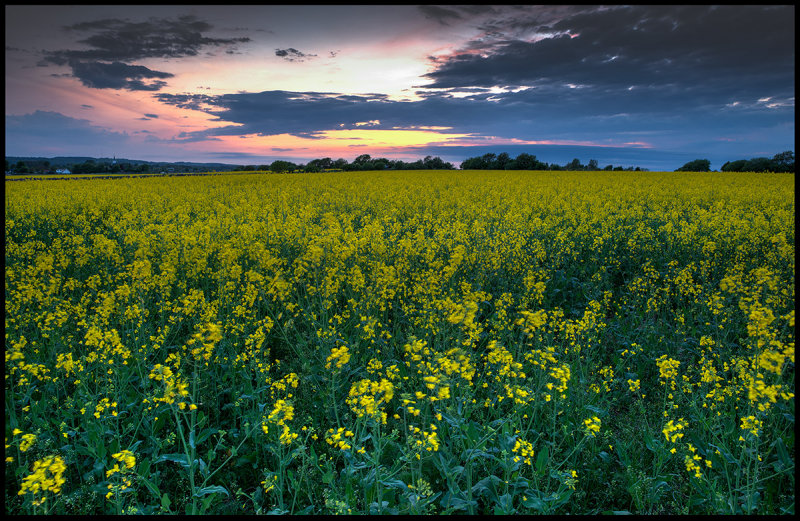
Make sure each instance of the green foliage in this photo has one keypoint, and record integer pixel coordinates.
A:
(782, 162)
(698, 165)
(524, 161)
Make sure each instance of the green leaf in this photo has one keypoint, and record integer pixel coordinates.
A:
(533, 502)
(649, 442)
(212, 490)
(150, 486)
(202, 466)
(159, 423)
(204, 435)
(457, 503)
(486, 487)
(394, 483)
(504, 504)
(165, 502)
(180, 459)
(541, 460)
(783, 455)
(623, 456)
(472, 433)
(596, 410)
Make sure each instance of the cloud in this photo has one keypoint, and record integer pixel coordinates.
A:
(122, 40)
(293, 55)
(667, 77)
(711, 52)
(544, 114)
(54, 133)
(155, 116)
(439, 14)
(114, 43)
(118, 75)
(298, 113)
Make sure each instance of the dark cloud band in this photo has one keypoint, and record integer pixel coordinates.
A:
(114, 42)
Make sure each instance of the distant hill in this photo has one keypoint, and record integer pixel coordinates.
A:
(65, 161)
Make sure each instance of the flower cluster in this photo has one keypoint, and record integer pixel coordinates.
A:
(367, 397)
(338, 438)
(338, 358)
(523, 450)
(591, 426)
(47, 476)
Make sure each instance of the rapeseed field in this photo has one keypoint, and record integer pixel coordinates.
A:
(482, 342)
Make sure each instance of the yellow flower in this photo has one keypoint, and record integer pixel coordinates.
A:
(126, 457)
(338, 358)
(592, 426)
(750, 423)
(671, 429)
(47, 475)
(524, 450)
(27, 442)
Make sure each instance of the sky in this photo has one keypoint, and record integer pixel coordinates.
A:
(648, 86)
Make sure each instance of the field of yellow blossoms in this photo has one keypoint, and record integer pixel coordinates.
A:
(401, 342)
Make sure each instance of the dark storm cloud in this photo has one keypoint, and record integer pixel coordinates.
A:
(546, 112)
(307, 113)
(444, 15)
(718, 52)
(293, 55)
(439, 14)
(120, 41)
(118, 75)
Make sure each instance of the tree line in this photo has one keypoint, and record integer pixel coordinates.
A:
(526, 161)
(783, 162)
(91, 166)
(362, 162)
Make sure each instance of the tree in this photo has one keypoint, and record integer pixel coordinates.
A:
(379, 163)
(784, 162)
(502, 162)
(318, 165)
(575, 164)
(279, 166)
(525, 162)
(759, 164)
(734, 166)
(471, 163)
(698, 165)
(592, 165)
(484, 162)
